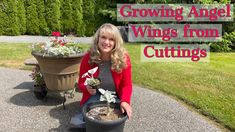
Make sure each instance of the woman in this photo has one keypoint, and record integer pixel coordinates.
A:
(114, 68)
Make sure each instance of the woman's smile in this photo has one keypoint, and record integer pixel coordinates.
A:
(106, 43)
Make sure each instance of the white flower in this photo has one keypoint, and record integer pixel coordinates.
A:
(48, 45)
(56, 47)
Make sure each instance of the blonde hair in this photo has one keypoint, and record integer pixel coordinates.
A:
(118, 61)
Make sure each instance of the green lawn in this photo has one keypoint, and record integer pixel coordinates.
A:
(13, 55)
(208, 87)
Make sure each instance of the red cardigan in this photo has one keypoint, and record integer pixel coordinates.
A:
(123, 80)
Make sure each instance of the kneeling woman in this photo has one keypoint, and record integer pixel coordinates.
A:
(114, 68)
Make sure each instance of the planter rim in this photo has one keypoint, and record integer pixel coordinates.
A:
(34, 53)
(117, 121)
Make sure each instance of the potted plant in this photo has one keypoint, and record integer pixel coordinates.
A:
(39, 90)
(104, 116)
(59, 62)
(92, 81)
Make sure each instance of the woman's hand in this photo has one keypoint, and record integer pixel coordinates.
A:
(126, 107)
(91, 90)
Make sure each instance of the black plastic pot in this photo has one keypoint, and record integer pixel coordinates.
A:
(40, 92)
(103, 126)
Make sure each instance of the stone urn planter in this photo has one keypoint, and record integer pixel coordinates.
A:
(59, 72)
(97, 125)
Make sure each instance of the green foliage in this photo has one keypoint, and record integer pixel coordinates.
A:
(41, 18)
(159, 1)
(53, 15)
(105, 12)
(3, 17)
(67, 18)
(32, 23)
(226, 45)
(231, 38)
(88, 14)
(110, 13)
(37, 77)
(21, 16)
(9, 20)
(229, 26)
(222, 46)
(78, 17)
(212, 1)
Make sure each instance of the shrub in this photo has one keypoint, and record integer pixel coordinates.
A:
(53, 15)
(231, 37)
(226, 45)
(41, 18)
(21, 16)
(32, 17)
(67, 24)
(78, 17)
(88, 14)
(9, 20)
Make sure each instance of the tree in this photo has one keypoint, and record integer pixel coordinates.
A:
(88, 14)
(104, 14)
(227, 26)
(3, 17)
(53, 15)
(32, 22)
(78, 17)
(9, 20)
(21, 16)
(67, 18)
(41, 18)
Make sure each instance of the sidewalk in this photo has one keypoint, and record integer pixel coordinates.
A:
(153, 112)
